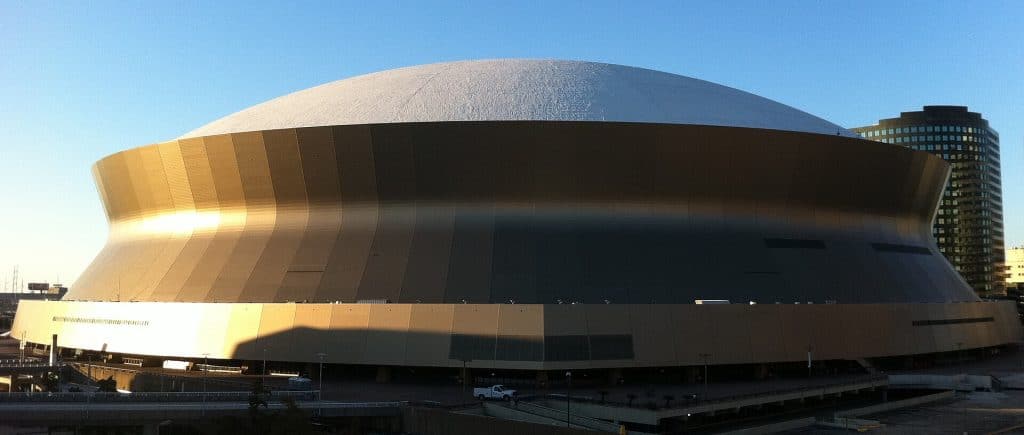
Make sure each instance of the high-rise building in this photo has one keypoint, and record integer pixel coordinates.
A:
(969, 224)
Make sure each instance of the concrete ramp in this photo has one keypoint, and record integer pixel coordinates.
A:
(506, 412)
(960, 382)
(576, 419)
(849, 423)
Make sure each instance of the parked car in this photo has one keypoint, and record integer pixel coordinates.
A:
(494, 392)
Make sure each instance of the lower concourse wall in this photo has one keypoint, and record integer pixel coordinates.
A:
(518, 336)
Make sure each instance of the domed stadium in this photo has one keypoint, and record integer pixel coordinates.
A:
(520, 214)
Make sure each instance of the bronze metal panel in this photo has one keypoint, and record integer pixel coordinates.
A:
(349, 329)
(654, 330)
(259, 217)
(429, 253)
(189, 250)
(480, 321)
(691, 339)
(197, 166)
(276, 320)
(395, 170)
(285, 175)
(358, 198)
(415, 334)
(320, 178)
(429, 337)
(136, 258)
(312, 323)
(522, 212)
(469, 267)
(226, 184)
(765, 333)
(388, 333)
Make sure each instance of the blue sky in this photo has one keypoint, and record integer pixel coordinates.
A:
(80, 80)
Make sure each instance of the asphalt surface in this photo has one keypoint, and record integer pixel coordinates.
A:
(973, 413)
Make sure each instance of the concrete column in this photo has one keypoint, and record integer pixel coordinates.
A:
(908, 362)
(761, 371)
(53, 350)
(542, 379)
(614, 375)
(691, 374)
(383, 374)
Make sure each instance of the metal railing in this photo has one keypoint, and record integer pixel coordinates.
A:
(24, 363)
(166, 397)
(681, 401)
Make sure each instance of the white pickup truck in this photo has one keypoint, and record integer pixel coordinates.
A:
(494, 392)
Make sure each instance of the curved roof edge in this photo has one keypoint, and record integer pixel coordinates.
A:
(520, 90)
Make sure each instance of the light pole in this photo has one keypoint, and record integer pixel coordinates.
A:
(206, 369)
(568, 393)
(705, 356)
(809, 354)
(320, 394)
(264, 361)
(465, 374)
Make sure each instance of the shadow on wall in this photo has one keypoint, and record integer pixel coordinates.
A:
(419, 348)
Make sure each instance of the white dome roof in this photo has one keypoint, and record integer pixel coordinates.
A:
(519, 90)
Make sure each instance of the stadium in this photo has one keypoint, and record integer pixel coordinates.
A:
(520, 214)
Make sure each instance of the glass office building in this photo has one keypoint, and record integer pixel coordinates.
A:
(969, 223)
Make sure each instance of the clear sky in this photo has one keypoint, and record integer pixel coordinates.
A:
(80, 80)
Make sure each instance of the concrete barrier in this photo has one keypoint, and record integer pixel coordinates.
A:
(774, 427)
(896, 404)
(959, 382)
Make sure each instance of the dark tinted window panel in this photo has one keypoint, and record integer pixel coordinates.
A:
(520, 348)
(953, 321)
(603, 347)
(794, 244)
(471, 347)
(902, 249)
(566, 348)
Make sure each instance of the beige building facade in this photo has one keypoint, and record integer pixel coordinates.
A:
(1015, 265)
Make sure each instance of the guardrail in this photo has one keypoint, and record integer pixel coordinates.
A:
(212, 396)
(26, 364)
(681, 402)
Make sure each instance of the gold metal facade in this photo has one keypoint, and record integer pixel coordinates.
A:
(520, 336)
(530, 245)
(521, 212)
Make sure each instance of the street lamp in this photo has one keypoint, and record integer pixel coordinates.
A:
(705, 356)
(320, 394)
(810, 349)
(465, 374)
(206, 369)
(568, 392)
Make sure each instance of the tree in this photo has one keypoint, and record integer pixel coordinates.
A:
(108, 385)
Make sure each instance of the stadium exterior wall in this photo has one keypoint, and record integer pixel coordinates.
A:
(520, 336)
(520, 244)
(521, 212)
